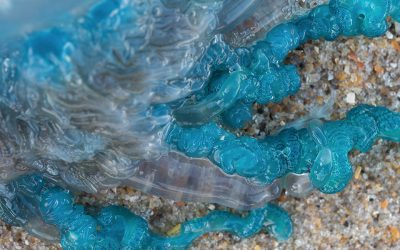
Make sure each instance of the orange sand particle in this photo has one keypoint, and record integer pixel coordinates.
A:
(384, 204)
(379, 69)
(395, 45)
(394, 233)
(257, 247)
(341, 76)
(357, 173)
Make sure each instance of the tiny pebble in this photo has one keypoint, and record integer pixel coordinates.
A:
(384, 204)
(357, 173)
(331, 76)
(351, 98)
(389, 35)
(394, 233)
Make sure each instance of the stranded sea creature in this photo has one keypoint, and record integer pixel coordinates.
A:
(100, 101)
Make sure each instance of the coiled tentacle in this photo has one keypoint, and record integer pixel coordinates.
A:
(266, 78)
(115, 227)
(321, 149)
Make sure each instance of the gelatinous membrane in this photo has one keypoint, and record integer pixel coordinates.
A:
(214, 104)
(19, 16)
(298, 185)
(80, 98)
(178, 177)
(264, 15)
